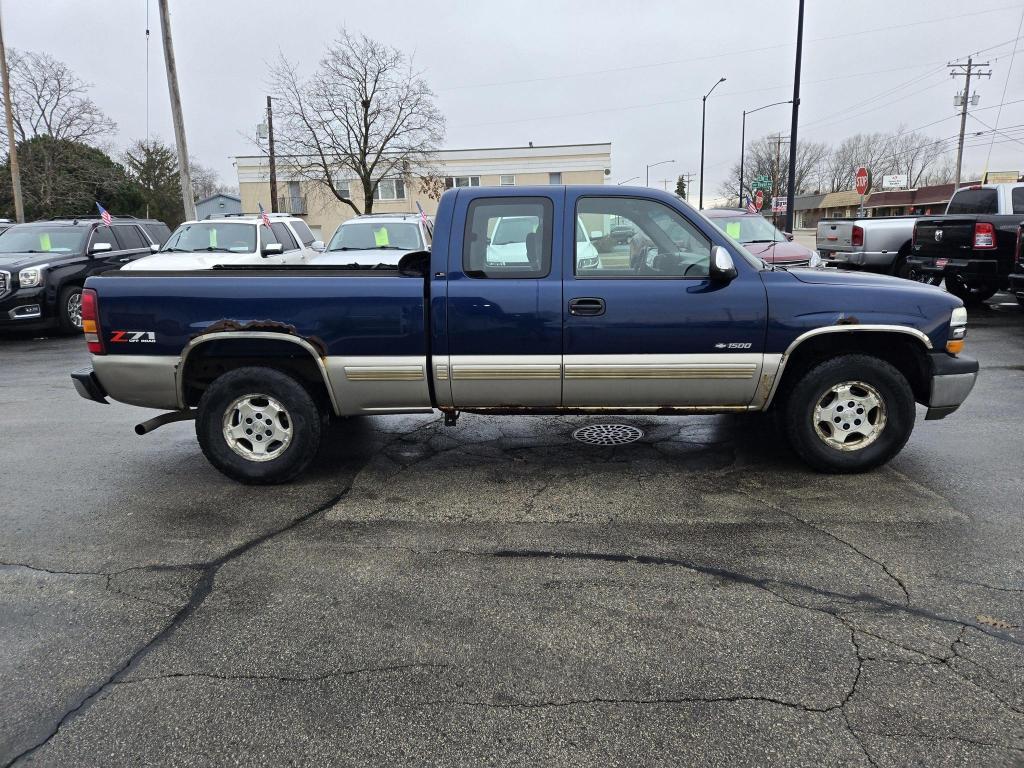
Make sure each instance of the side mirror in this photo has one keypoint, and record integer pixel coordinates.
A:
(318, 246)
(100, 248)
(789, 236)
(722, 267)
(154, 248)
(272, 249)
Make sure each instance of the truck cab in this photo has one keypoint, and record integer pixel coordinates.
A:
(685, 322)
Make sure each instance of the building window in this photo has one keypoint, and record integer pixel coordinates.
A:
(390, 189)
(555, 178)
(507, 180)
(461, 181)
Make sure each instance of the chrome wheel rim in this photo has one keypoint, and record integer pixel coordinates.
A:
(74, 309)
(257, 427)
(849, 416)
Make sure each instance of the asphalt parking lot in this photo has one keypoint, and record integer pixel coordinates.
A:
(497, 593)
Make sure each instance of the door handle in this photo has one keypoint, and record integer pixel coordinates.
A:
(126, 258)
(586, 306)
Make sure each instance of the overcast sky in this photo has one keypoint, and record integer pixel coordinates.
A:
(550, 72)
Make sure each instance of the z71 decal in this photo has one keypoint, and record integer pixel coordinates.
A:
(133, 337)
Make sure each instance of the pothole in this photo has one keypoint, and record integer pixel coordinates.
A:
(607, 434)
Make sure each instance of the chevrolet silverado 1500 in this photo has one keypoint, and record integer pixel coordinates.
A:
(262, 357)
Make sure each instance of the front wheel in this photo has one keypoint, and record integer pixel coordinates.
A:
(69, 309)
(258, 426)
(849, 414)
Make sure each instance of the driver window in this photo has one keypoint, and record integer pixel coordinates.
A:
(625, 237)
(268, 236)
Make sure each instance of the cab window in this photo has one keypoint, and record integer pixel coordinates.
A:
(663, 243)
(508, 238)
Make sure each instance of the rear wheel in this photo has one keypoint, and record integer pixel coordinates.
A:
(258, 426)
(970, 293)
(69, 309)
(849, 414)
(900, 268)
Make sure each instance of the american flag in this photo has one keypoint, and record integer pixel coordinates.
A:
(751, 208)
(104, 214)
(423, 214)
(264, 215)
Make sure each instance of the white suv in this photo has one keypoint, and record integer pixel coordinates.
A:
(373, 239)
(233, 240)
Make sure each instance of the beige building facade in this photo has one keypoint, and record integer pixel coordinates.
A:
(487, 167)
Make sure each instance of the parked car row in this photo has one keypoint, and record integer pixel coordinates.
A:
(975, 248)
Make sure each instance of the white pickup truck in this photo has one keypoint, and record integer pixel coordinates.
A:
(880, 244)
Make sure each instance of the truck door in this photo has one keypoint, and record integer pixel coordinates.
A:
(644, 327)
(504, 301)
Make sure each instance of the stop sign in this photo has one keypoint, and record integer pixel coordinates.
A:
(758, 199)
(863, 179)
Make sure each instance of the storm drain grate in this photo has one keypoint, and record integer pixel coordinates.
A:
(608, 434)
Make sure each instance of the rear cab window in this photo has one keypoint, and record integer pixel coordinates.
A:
(508, 238)
(974, 201)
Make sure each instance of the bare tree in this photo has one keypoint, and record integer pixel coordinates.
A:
(49, 99)
(913, 154)
(840, 164)
(768, 156)
(365, 115)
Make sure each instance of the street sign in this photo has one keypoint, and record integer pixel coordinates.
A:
(762, 183)
(758, 199)
(894, 181)
(863, 180)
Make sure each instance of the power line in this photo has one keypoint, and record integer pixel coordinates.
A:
(722, 54)
(1006, 82)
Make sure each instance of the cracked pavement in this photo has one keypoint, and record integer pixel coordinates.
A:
(497, 593)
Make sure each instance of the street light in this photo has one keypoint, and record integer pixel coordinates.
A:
(703, 109)
(660, 162)
(743, 139)
(631, 178)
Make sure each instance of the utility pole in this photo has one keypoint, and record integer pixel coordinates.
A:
(184, 174)
(273, 160)
(687, 177)
(791, 192)
(12, 147)
(965, 71)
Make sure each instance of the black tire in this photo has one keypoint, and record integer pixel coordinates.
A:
(900, 268)
(813, 388)
(293, 437)
(69, 309)
(971, 294)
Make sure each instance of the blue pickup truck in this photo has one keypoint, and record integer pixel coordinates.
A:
(680, 320)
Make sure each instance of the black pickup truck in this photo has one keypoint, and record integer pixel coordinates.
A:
(974, 245)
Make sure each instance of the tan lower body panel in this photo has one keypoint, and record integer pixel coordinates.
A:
(379, 384)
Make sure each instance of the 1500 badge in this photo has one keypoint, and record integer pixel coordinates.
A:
(733, 345)
(133, 337)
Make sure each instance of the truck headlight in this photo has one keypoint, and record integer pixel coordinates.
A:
(31, 277)
(957, 331)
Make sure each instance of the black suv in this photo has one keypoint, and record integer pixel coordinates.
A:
(43, 265)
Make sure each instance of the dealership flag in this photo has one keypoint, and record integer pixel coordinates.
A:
(263, 215)
(751, 208)
(423, 214)
(104, 214)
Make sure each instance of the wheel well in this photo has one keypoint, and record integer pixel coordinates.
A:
(212, 359)
(904, 352)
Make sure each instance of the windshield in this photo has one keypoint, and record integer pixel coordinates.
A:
(212, 236)
(749, 229)
(366, 236)
(513, 229)
(753, 260)
(42, 239)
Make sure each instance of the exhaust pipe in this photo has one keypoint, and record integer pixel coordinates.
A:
(164, 418)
